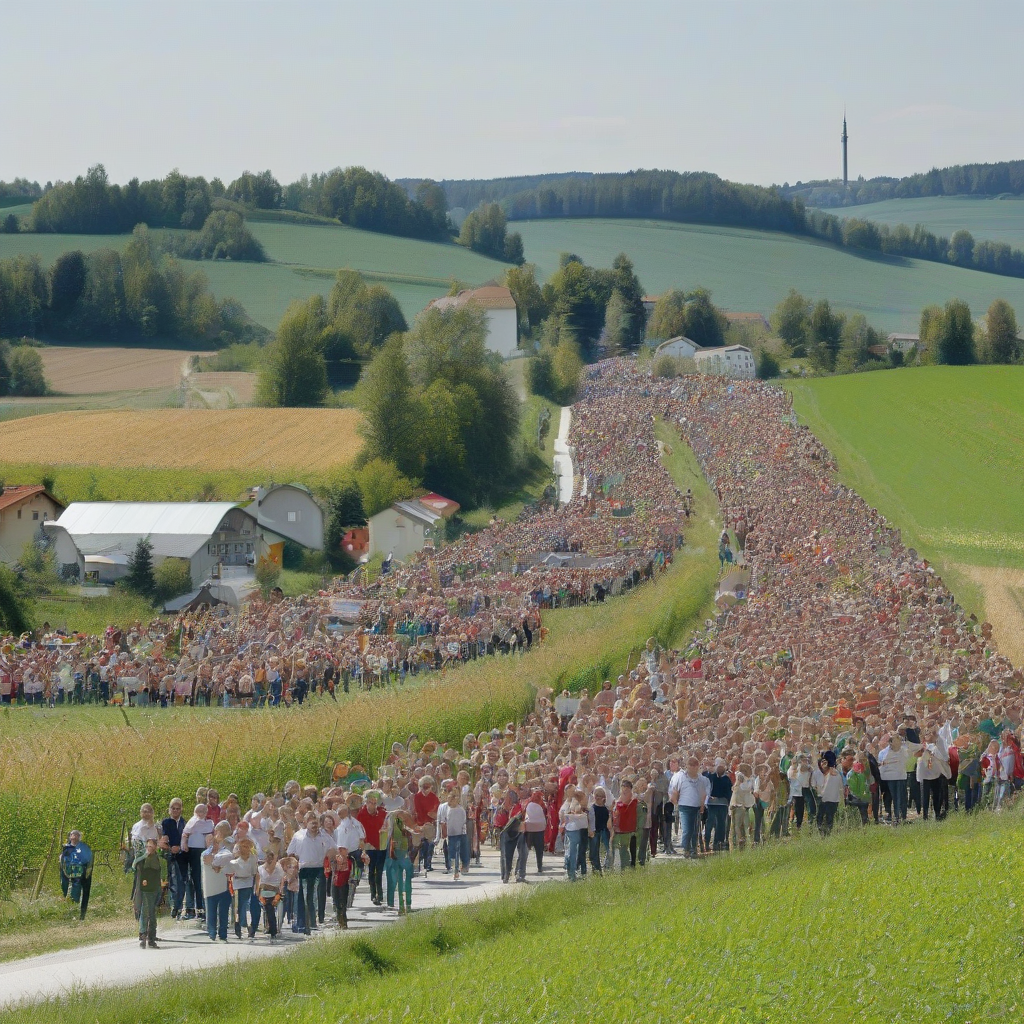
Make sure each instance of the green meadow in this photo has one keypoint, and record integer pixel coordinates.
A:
(753, 270)
(988, 217)
(868, 925)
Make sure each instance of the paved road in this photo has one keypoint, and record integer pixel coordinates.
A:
(183, 946)
(563, 457)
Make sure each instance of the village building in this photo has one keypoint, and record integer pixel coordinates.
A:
(410, 526)
(904, 342)
(291, 511)
(728, 361)
(23, 510)
(502, 316)
(678, 347)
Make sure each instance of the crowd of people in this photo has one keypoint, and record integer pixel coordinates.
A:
(845, 685)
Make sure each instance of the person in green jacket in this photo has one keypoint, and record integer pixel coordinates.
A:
(149, 865)
(858, 790)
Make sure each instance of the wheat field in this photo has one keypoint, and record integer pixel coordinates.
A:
(313, 440)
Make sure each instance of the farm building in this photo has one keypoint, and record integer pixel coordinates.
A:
(904, 342)
(678, 348)
(409, 526)
(730, 361)
(291, 511)
(99, 536)
(502, 318)
(23, 510)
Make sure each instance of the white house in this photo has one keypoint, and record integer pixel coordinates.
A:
(904, 342)
(408, 526)
(23, 509)
(730, 361)
(678, 348)
(99, 536)
(502, 317)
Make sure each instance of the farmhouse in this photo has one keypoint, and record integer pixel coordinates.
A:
(678, 348)
(904, 342)
(409, 526)
(730, 361)
(99, 536)
(502, 318)
(23, 510)
(291, 511)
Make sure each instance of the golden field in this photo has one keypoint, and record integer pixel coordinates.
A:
(314, 440)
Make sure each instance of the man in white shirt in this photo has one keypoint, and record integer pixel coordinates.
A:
(194, 839)
(310, 846)
(689, 792)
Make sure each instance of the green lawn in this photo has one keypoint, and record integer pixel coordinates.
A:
(999, 220)
(753, 270)
(869, 925)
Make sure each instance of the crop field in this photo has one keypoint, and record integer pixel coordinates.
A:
(305, 259)
(315, 440)
(856, 927)
(939, 451)
(999, 220)
(753, 270)
(74, 370)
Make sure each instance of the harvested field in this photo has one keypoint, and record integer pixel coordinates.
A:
(1003, 591)
(236, 384)
(313, 440)
(74, 370)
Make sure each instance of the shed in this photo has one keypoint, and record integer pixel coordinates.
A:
(904, 342)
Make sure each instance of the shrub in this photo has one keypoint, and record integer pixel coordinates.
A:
(173, 577)
(767, 365)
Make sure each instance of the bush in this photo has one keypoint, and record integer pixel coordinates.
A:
(26, 372)
(672, 366)
(767, 365)
(173, 577)
(267, 575)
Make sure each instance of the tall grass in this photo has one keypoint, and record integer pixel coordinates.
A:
(156, 754)
(869, 925)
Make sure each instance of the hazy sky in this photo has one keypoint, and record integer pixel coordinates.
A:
(751, 90)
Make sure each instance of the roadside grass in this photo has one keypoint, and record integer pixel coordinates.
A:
(92, 615)
(113, 761)
(871, 924)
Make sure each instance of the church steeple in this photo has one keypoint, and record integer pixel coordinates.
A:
(846, 180)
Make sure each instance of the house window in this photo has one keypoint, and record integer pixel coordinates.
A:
(293, 517)
(44, 517)
(19, 513)
(35, 516)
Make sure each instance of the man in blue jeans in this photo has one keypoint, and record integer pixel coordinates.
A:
(688, 792)
(310, 846)
(718, 807)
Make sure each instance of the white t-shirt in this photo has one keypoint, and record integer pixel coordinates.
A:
(243, 870)
(196, 833)
(270, 879)
(141, 832)
(455, 820)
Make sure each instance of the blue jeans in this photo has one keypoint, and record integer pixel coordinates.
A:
(458, 851)
(689, 826)
(718, 823)
(599, 841)
(244, 911)
(898, 791)
(176, 881)
(572, 852)
(399, 875)
(217, 908)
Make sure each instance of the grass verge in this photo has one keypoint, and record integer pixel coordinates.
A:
(851, 928)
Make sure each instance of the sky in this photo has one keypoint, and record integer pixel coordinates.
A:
(753, 91)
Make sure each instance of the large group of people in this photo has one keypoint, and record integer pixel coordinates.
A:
(842, 683)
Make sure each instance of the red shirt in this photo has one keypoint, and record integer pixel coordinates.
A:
(214, 812)
(423, 804)
(625, 816)
(372, 824)
(338, 876)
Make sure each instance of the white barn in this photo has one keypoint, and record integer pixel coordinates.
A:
(502, 316)
(99, 536)
(409, 526)
(729, 361)
(291, 511)
(678, 347)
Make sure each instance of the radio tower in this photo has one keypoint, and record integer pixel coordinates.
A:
(846, 180)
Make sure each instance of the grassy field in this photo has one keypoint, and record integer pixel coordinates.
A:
(868, 925)
(257, 440)
(753, 270)
(92, 615)
(999, 220)
(938, 450)
(305, 258)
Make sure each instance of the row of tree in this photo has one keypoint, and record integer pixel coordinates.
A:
(918, 242)
(949, 334)
(107, 294)
(20, 190)
(995, 179)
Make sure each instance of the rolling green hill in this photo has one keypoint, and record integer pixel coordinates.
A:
(304, 259)
(998, 220)
(753, 270)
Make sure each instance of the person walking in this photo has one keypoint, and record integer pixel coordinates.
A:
(216, 861)
(689, 792)
(173, 828)
(149, 876)
(892, 766)
(76, 862)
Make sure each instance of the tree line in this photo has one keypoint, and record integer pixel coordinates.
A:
(962, 250)
(107, 294)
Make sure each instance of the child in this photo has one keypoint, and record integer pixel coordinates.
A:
(148, 866)
(269, 889)
(290, 867)
(338, 869)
